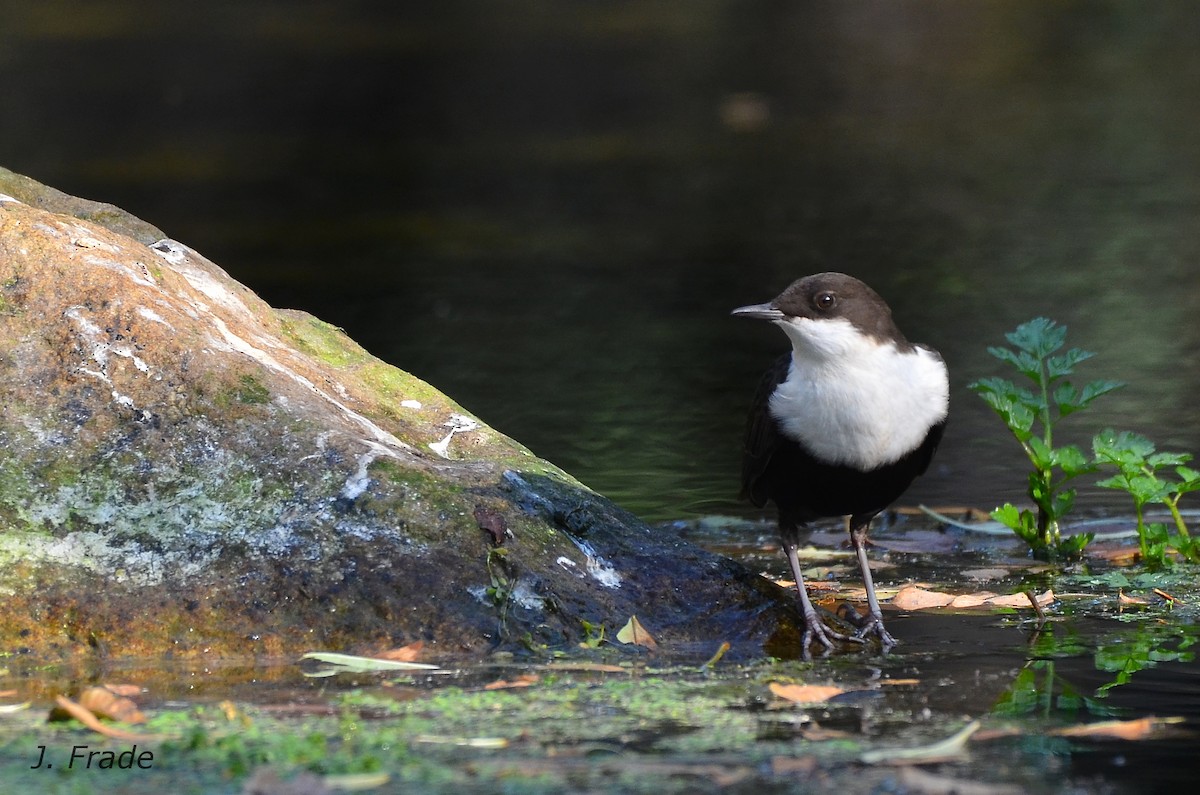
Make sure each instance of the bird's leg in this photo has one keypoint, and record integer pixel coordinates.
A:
(857, 527)
(814, 628)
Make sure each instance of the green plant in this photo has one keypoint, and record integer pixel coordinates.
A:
(500, 591)
(1151, 478)
(1031, 415)
(593, 635)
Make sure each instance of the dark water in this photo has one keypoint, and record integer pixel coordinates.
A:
(547, 209)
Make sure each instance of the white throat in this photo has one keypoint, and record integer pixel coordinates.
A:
(850, 400)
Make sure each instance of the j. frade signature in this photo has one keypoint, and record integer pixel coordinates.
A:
(83, 757)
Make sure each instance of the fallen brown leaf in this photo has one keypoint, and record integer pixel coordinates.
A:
(1116, 555)
(129, 691)
(1021, 600)
(633, 632)
(820, 734)
(1138, 729)
(493, 522)
(407, 653)
(104, 703)
(812, 585)
(912, 597)
(786, 765)
(524, 680)
(85, 716)
(583, 666)
(805, 694)
(972, 599)
(1123, 599)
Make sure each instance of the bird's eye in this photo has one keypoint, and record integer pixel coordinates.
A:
(825, 301)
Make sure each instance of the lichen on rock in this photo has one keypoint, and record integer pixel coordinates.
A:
(187, 470)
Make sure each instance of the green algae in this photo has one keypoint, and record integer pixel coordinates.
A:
(323, 341)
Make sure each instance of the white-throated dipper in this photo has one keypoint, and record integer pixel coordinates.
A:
(841, 425)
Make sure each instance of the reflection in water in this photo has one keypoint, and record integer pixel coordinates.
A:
(1043, 689)
(549, 212)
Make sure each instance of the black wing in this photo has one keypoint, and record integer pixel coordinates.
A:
(762, 434)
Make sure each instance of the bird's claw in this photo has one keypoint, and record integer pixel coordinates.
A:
(874, 626)
(815, 629)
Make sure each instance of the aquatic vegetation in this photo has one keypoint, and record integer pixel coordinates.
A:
(1031, 415)
(1150, 477)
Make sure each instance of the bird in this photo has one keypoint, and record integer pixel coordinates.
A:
(841, 425)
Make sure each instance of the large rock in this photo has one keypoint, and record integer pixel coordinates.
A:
(185, 470)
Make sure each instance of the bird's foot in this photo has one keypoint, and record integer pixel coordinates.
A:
(867, 625)
(874, 626)
(816, 630)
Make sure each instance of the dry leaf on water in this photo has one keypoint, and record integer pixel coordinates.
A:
(85, 716)
(1116, 555)
(524, 680)
(1138, 729)
(913, 597)
(336, 663)
(585, 666)
(104, 703)
(805, 694)
(633, 632)
(1020, 600)
(407, 653)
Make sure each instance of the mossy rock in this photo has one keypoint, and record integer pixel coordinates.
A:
(186, 470)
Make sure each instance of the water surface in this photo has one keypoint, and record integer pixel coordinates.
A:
(548, 209)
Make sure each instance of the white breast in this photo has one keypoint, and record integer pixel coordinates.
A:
(849, 400)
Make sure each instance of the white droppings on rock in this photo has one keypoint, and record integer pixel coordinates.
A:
(101, 350)
(457, 423)
(91, 242)
(231, 341)
(521, 595)
(411, 404)
(600, 569)
(169, 250)
(525, 596)
(204, 282)
(153, 316)
(360, 480)
(137, 275)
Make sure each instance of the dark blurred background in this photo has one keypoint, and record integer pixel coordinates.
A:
(547, 209)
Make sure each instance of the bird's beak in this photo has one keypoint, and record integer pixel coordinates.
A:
(759, 312)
